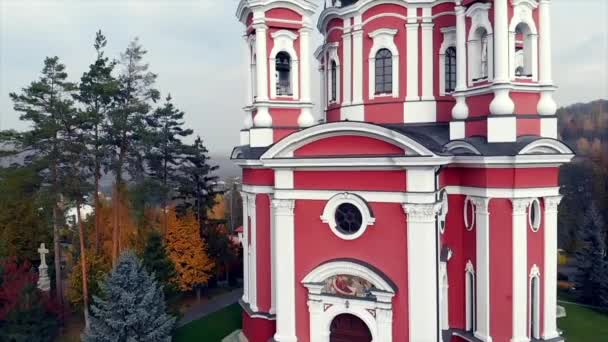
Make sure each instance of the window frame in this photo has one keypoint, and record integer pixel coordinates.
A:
(450, 70)
(385, 78)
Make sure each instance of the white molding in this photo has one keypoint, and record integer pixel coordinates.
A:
(534, 208)
(420, 179)
(253, 282)
(444, 296)
(357, 61)
(368, 196)
(502, 192)
(545, 146)
(330, 269)
(458, 128)
(534, 299)
(347, 40)
(428, 62)
(286, 146)
(333, 57)
(520, 268)
(482, 277)
(245, 247)
(502, 129)
(550, 267)
(468, 204)
(257, 189)
(470, 296)
(383, 38)
(453, 145)
(522, 14)
(283, 179)
(443, 211)
(260, 136)
(479, 14)
(329, 214)
(412, 62)
(419, 111)
(284, 42)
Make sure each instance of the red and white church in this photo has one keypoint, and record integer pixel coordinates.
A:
(422, 207)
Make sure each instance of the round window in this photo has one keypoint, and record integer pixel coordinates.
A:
(348, 218)
(534, 215)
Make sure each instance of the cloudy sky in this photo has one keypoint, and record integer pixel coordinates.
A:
(195, 46)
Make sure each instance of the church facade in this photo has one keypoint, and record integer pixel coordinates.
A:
(422, 207)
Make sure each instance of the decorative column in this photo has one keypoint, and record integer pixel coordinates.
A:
(502, 103)
(411, 40)
(346, 65)
(357, 61)
(253, 286)
(520, 269)
(44, 282)
(550, 267)
(262, 118)
(428, 76)
(460, 110)
(482, 279)
(306, 119)
(384, 315)
(546, 105)
(422, 270)
(244, 196)
(315, 309)
(284, 231)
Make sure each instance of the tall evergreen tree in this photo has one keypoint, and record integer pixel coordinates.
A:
(197, 182)
(591, 260)
(132, 307)
(97, 92)
(126, 124)
(47, 105)
(156, 260)
(166, 127)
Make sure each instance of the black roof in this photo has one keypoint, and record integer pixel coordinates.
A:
(433, 136)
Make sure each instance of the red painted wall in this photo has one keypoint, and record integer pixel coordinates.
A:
(348, 145)
(501, 266)
(479, 105)
(525, 103)
(258, 176)
(313, 235)
(501, 177)
(263, 262)
(528, 126)
(536, 251)
(258, 329)
(285, 116)
(350, 180)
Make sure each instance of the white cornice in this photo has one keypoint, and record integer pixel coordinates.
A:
(247, 6)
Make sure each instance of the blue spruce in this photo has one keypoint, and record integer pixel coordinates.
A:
(132, 307)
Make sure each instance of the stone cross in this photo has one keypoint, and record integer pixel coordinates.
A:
(43, 252)
(44, 283)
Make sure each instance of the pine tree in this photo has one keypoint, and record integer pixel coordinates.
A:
(132, 307)
(97, 92)
(592, 276)
(126, 125)
(47, 105)
(156, 260)
(197, 181)
(165, 125)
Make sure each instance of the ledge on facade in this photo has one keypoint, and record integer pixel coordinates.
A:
(252, 313)
(466, 335)
(246, 152)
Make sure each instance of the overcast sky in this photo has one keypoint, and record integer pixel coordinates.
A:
(195, 47)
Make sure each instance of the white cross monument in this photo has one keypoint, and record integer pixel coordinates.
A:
(44, 283)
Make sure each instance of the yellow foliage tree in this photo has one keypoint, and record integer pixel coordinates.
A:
(187, 250)
(218, 211)
(130, 236)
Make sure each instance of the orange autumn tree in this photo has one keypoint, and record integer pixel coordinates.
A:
(187, 250)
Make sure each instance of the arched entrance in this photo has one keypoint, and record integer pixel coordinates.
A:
(349, 328)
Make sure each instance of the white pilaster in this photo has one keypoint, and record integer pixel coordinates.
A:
(502, 104)
(460, 110)
(262, 117)
(482, 293)
(422, 270)
(284, 232)
(248, 70)
(550, 265)
(346, 63)
(357, 61)
(306, 119)
(520, 269)
(546, 104)
(411, 40)
(245, 248)
(428, 76)
(323, 104)
(253, 288)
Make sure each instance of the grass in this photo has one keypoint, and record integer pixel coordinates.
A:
(211, 328)
(582, 324)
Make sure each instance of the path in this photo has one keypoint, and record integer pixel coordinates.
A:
(211, 306)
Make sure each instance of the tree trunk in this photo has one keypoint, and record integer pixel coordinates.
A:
(56, 235)
(97, 211)
(83, 266)
(115, 225)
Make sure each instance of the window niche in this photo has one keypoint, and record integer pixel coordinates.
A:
(523, 41)
(284, 78)
(480, 44)
(447, 61)
(383, 64)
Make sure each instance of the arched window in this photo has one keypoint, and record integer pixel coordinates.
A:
(534, 308)
(471, 322)
(484, 55)
(334, 81)
(283, 74)
(450, 69)
(384, 72)
(523, 50)
(254, 77)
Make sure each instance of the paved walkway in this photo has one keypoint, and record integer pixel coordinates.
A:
(211, 306)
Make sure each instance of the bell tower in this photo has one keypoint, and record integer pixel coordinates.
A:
(278, 58)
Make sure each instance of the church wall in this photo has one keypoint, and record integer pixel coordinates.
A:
(263, 241)
(348, 145)
(258, 329)
(536, 252)
(501, 177)
(350, 180)
(382, 246)
(501, 268)
(444, 103)
(258, 176)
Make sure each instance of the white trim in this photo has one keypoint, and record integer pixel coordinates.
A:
(286, 146)
(444, 296)
(245, 243)
(443, 212)
(333, 57)
(357, 61)
(428, 62)
(329, 214)
(284, 42)
(482, 279)
(257, 189)
(411, 40)
(534, 208)
(334, 268)
(469, 296)
(520, 269)
(368, 196)
(347, 39)
(453, 145)
(502, 192)
(545, 146)
(548, 125)
(253, 286)
(283, 179)
(501, 128)
(468, 204)
(550, 267)
(383, 38)
(534, 299)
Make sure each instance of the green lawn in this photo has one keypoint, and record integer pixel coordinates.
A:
(211, 328)
(583, 325)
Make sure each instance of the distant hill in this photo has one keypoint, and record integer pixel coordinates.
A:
(585, 127)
